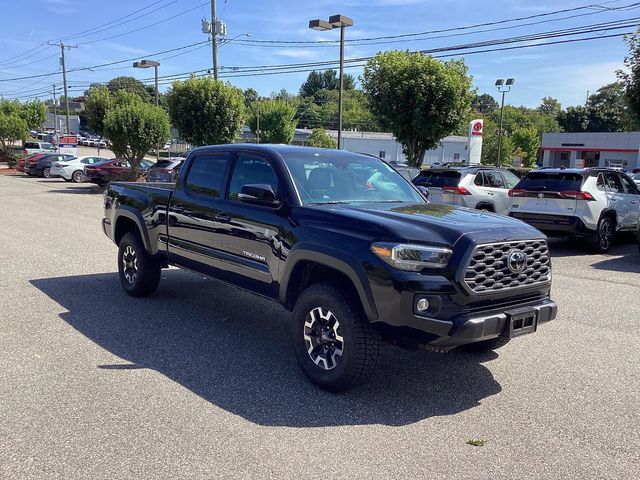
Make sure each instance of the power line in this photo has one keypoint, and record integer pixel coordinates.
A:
(466, 27)
(78, 34)
(146, 26)
(79, 69)
(361, 42)
(103, 27)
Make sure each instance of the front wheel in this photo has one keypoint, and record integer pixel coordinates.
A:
(139, 272)
(602, 240)
(335, 345)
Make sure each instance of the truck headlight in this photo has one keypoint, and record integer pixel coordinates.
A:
(411, 257)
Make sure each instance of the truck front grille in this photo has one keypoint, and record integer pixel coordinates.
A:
(489, 269)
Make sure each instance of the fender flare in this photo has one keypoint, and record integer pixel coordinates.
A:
(337, 260)
(130, 213)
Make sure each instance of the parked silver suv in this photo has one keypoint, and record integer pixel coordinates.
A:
(484, 188)
(592, 203)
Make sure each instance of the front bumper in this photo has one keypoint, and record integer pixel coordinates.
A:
(477, 328)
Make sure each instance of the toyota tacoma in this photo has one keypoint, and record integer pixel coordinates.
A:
(344, 242)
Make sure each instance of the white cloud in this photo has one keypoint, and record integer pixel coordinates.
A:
(296, 53)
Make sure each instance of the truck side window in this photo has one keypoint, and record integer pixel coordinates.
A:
(251, 170)
(206, 175)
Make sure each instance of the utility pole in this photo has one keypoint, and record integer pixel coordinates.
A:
(214, 42)
(258, 123)
(55, 115)
(64, 77)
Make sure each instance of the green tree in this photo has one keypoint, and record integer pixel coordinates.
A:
(490, 145)
(206, 111)
(420, 99)
(485, 104)
(9, 107)
(12, 128)
(34, 113)
(250, 96)
(550, 106)
(631, 80)
(277, 122)
(527, 140)
(319, 138)
(134, 128)
(318, 81)
(129, 84)
(99, 101)
(609, 109)
(574, 119)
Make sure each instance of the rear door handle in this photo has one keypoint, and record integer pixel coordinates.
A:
(222, 218)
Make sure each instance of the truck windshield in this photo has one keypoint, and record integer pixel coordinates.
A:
(342, 178)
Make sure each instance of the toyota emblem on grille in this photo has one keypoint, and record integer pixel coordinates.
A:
(541, 195)
(516, 261)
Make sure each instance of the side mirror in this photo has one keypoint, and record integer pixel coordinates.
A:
(424, 191)
(258, 194)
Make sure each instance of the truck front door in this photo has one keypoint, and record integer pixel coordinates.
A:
(251, 240)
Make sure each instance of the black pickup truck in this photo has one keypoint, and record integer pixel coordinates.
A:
(343, 241)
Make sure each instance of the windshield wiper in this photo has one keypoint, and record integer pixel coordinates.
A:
(330, 203)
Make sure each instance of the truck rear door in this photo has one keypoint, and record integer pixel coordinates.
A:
(194, 209)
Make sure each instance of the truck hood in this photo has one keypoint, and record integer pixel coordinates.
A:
(433, 223)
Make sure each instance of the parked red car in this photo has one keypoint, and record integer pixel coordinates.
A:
(103, 172)
(31, 158)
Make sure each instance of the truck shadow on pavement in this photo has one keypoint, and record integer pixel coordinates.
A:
(233, 350)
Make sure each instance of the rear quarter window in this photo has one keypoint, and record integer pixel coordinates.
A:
(551, 182)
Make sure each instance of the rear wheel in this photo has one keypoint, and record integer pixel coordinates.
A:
(335, 345)
(77, 176)
(486, 345)
(46, 173)
(139, 272)
(602, 240)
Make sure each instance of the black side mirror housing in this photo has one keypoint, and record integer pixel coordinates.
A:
(258, 194)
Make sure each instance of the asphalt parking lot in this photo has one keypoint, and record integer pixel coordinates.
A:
(199, 380)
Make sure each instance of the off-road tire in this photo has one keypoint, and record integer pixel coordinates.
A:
(145, 278)
(360, 340)
(486, 345)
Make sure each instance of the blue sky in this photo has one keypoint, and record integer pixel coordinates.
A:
(564, 71)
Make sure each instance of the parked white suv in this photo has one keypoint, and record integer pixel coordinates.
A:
(484, 188)
(592, 203)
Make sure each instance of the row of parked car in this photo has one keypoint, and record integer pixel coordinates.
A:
(94, 169)
(589, 203)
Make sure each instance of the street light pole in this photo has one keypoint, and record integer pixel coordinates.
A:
(336, 21)
(340, 92)
(507, 87)
(155, 65)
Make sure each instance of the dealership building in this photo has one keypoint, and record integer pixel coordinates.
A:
(592, 149)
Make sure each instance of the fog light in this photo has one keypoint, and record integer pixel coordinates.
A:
(422, 305)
